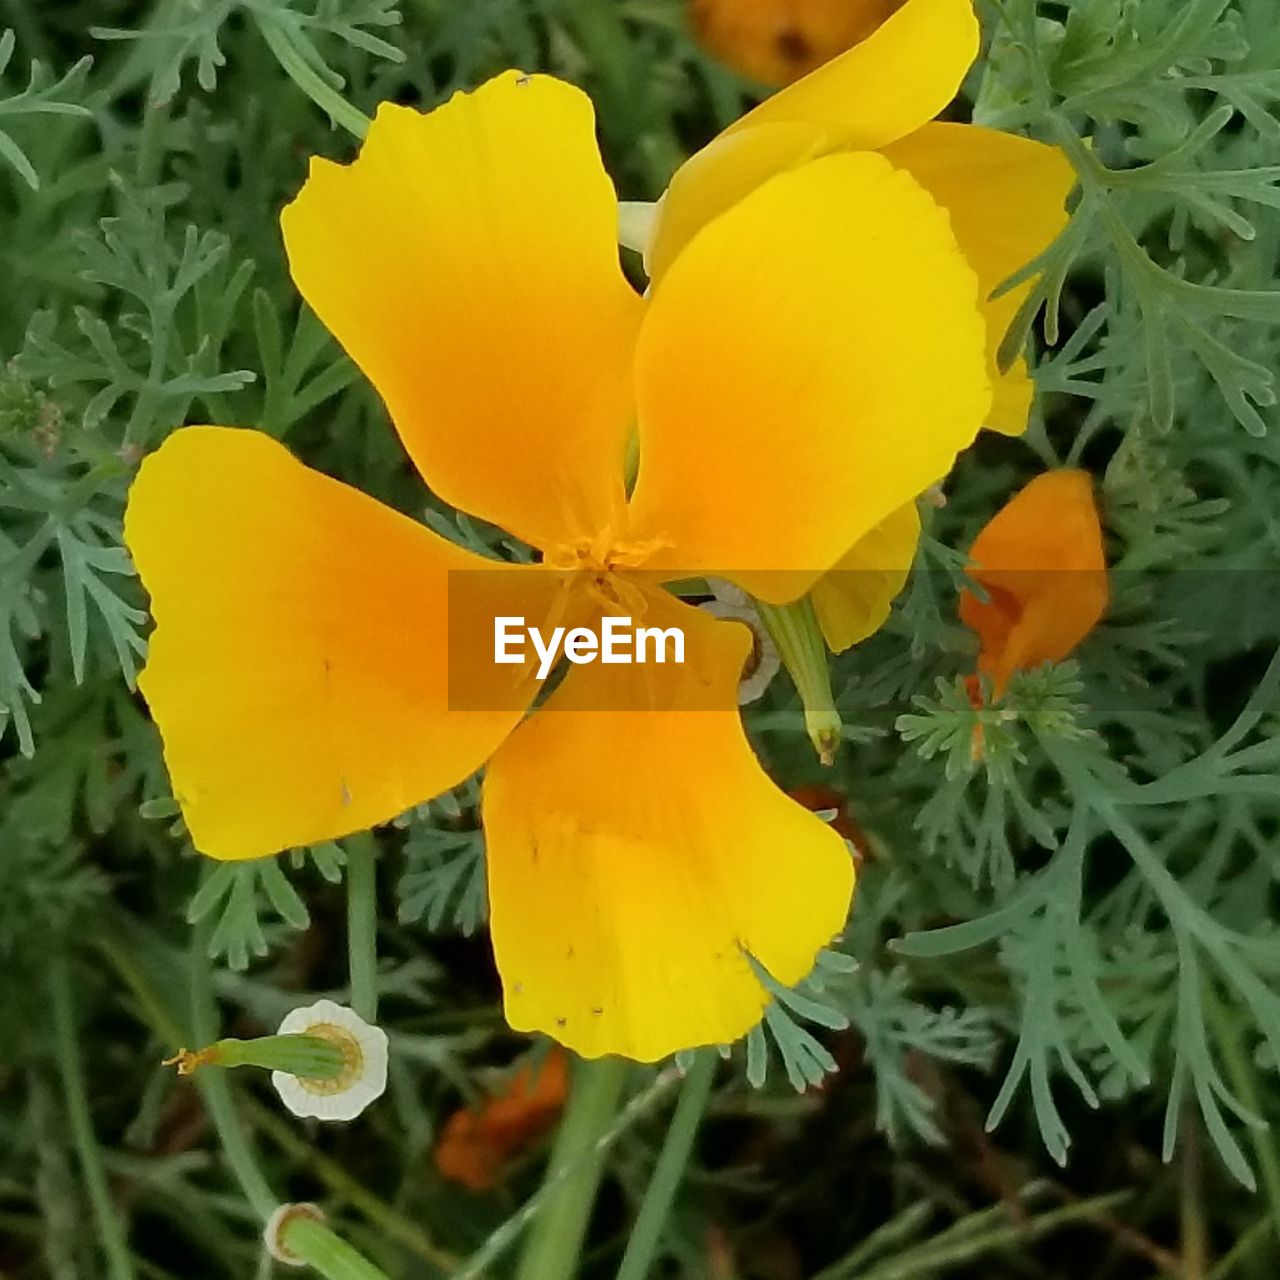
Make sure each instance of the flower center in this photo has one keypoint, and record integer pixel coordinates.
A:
(604, 553)
(352, 1059)
(595, 564)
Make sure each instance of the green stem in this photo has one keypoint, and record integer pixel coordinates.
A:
(1256, 1235)
(362, 925)
(310, 1057)
(501, 1240)
(555, 1241)
(795, 630)
(329, 1254)
(71, 1068)
(311, 1241)
(346, 1188)
(1195, 1243)
(151, 143)
(1244, 1081)
(667, 1173)
(336, 1179)
(214, 1086)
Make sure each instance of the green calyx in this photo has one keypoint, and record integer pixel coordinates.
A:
(307, 1056)
(794, 629)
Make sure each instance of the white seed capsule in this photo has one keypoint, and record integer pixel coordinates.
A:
(364, 1074)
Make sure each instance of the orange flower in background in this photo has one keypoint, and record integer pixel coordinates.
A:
(1041, 563)
(778, 41)
(813, 360)
(478, 1142)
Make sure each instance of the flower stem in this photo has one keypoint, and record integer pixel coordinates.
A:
(71, 1068)
(160, 1018)
(362, 925)
(667, 1173)
(311, 1241)
(555, 1240)
(794, 629)
(214, 1086)
(329, 1254)
(1244, 1080)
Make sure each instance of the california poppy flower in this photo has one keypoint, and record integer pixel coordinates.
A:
(1041, 564)
(1005, 195)
(478, 1142)
(777, 41)
(300, 670)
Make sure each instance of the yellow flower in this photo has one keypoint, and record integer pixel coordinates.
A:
(777, 41)
(1041, 563)
(788, 393)
(1005, 195)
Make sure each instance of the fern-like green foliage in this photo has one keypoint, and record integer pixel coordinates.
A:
(1066, 898)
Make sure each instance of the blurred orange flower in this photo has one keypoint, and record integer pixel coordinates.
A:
(478, 1142)
(778, 41)
(1041, 563)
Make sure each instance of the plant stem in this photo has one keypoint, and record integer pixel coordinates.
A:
(329, 1254)
(501, 1240)
(555, 1240)
(215, 1087)
(311, 1241)
(346, 1188)
(362, 925)
(336, 1179)
(71, 1068)
(1244, 1081)
(795, 630)
(1195, 1246)
(665, 1180)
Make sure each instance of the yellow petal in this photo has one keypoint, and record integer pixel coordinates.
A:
(880, 90)
(1007, 197)
(297, 670)
(637, 857)
(852, 601)
(899, 77)
(717, 177)
(1040, 560)
(812, 361)
(468, 262)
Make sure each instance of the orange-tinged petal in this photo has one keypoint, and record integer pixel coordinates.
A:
(1041, 562)
(297, 670)
(476, 1143)
(777, 41)
(468, 262)
(896, 80)
(812, 361)
(636, 858)
(1007, 199)
(853, 600)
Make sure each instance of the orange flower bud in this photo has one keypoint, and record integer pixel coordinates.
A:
(778, 41)
(1040, 561)
(477, 1143)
